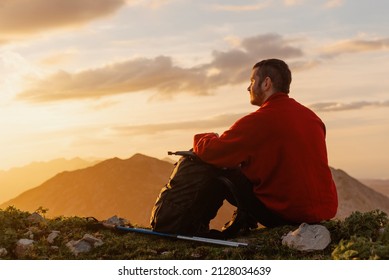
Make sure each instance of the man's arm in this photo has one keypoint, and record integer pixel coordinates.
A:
(230, 149)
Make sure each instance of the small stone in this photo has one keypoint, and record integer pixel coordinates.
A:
(23, 247)
(95, 242)
(53, 235)
(84, 245)
(35, 218)
(79, 246)
(308, 238)
(3, 252)
(116, 221)
(195, 255)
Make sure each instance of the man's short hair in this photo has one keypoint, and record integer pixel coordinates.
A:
(277, 70)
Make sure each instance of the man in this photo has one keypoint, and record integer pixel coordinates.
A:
(280, 149)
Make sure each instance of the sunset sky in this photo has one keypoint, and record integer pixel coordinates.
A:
(110, 78)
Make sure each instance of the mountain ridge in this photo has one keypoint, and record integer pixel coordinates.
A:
(129, 187)
(16, 180)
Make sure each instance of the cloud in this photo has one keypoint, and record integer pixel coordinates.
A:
(153, 4)
(59, 58)
(13, 68)
(354, 46)
(209, 124)
(160, 75)
(241, 8)
(336, 106)
(293, 2)
(135, 75)
(24, 17)
(329, 4)
(226, 120)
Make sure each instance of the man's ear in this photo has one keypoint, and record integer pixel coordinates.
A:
(267, 83)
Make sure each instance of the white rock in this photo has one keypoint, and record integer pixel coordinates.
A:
(23, 246)
(308, 238)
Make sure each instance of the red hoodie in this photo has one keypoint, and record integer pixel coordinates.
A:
(281, 149)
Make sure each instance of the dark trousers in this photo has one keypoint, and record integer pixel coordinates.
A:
(238, 191)
(246, 200)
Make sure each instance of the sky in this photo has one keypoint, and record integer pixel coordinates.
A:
(111, 78)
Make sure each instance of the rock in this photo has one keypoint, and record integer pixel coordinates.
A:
(53, 235)
(3, 252)
(79, 246)
(196, 255)
(308, 238)
(84, 245)
(116, 221)
(95, 242)
(23, 247)
(35, 218)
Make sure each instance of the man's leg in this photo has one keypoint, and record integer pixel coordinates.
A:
(250, 209)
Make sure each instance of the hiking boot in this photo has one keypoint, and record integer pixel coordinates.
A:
(241, 222)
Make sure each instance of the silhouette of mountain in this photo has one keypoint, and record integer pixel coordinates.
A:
(19, 179)
(128, 188)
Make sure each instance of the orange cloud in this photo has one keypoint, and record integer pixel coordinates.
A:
(160, 75)
(21, 17)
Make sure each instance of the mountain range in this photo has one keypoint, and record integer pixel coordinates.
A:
(19, 179)
(128, 188)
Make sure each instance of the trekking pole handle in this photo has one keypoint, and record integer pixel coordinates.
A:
(181, 153)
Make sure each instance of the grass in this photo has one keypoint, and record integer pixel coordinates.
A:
(360, 236)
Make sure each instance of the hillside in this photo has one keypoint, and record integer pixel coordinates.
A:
(379, 185)
(19, 179)
(355, 196)
(128, 188)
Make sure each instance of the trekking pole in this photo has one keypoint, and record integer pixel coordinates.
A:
(181, 153)
(183, 237)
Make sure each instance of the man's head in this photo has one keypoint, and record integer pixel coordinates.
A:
(268, 76)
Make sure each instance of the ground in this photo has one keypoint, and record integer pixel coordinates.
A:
(360, 236)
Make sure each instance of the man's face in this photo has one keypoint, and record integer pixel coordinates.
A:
(257, 96)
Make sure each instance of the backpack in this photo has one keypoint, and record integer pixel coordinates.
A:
(190, 199)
